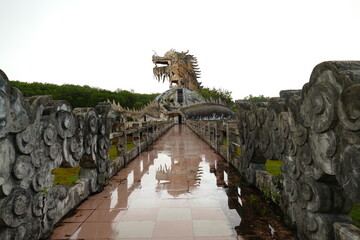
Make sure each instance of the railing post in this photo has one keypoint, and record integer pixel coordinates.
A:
(228, 142)
(216, 137)
(122, 144)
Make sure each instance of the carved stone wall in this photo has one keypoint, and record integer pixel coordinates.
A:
(316, 132)
(39, 134)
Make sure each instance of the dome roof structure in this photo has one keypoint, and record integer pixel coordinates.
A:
(192, 105)
(174, 98)
(208, 111)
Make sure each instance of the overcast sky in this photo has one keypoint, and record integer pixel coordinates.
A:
(248, 47)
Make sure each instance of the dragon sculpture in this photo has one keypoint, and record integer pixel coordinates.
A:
(180, 68)
(182, 98)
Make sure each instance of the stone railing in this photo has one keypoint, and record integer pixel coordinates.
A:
(38, 135)
(316, 132)
(139, 136)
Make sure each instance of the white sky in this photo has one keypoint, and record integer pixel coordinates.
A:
(248, 47)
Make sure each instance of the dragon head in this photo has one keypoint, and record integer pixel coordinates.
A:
(180, 68)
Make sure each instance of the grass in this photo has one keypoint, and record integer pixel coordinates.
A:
(129, 146)
(355, 214)
(225, 143)
(65, 176)
(113, 153)
(252, 199)
(238, 150)
(68, 176)
(273, 167)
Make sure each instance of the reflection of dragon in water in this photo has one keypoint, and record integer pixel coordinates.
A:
(180, 68)
(163, 173)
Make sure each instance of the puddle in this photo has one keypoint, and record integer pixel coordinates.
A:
(181, 178)
(181, 166)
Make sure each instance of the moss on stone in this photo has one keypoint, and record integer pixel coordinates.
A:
(355, 214)
(273, 167)
(65, 176)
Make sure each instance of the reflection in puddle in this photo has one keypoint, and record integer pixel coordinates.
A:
(181, 167)
(130, 179)
(114, 201)
(240, 201)
(163, 161)
(225, 178)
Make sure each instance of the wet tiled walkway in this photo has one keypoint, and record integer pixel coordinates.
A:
(179, 189)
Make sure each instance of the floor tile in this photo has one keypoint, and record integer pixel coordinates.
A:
(177, 193)
(174, 238)
(140, 214)
(148, 194)
(90, 204)
(207, 214)
(174, 203)
(218, 238)
(94, 230)
(115, 203)
(109, 215)
(168, 229)
(134, 230)
(177, 186)
(211, 228)
(204, 203)
(78, 216)
(64, 230)
(96, 239)
(105, 193)
(174, 214)
(180, 194)
(129, 239)
(144, 203)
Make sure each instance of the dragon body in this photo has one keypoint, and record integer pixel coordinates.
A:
(182, 99)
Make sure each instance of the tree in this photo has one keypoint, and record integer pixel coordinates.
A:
(260, 98)
(84, 96)
(217, 94)
(138, 105)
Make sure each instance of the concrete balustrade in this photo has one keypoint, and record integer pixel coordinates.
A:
(38, 135)
(316, 132)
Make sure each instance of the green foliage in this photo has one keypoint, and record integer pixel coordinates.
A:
(138, 105)
(113, 153)
(44, 191)
(84, 96)
(129, 146)
(215, 94)
(225, 143)
(260, 98)
(238, 150)
(65, 176)
(273, 167)
(271, 195)
(252, 199)
(267, 192)
(355, 214)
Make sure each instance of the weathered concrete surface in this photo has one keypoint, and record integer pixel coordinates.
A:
(344, 231)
